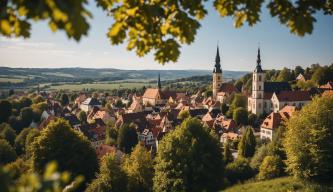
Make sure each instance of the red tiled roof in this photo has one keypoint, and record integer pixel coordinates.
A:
(293, 96)
(328, 92)
(151, 93)
(272, 121)
(228, 88)
(328, 85)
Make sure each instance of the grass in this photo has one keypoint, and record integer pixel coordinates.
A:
(98, 86)
(279, 185)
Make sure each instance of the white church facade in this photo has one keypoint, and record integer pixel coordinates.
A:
(270, 97)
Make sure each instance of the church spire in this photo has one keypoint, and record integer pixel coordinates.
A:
(217, 68)
(159, 81)
(258, 67)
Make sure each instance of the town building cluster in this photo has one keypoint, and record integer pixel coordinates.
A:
(156, 112)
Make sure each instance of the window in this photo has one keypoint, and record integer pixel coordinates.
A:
(259, 88)
(259, 105)
(259, 77)
(259, 96)
(254, 77)
(218, 77)
(265, 104)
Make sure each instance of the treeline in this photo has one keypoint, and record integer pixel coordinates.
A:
(315, 75)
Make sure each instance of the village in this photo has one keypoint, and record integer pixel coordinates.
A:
(158, 112)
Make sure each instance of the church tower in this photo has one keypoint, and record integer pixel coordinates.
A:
(159, 82)
(217, 75)
(258, 81)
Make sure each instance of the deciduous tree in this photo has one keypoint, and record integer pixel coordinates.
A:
(160, 26)
(139, 169)
(7, 133)
(70, 149)
(309, 141)
(188, 159)
(111, 176)
(7, 152)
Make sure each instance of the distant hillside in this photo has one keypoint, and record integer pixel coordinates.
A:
(48, 75)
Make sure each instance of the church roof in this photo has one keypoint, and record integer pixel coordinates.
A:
(217, 67)
(258, 68)
(294, 96)
(228, 88)
(276, 86)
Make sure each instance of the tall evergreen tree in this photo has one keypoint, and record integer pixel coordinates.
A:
(127, 138)
(227, 154)
(5, 110)
(247, 145)
(64, 99)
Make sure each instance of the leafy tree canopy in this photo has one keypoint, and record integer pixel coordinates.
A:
(7, 152)
(70, 149)
(189, 159)
(139, 169)
(7, 133)
(309, 141)
(159, 26)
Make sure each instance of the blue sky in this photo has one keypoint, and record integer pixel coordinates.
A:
(238, 47)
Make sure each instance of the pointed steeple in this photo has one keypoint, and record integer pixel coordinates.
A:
(258, 67)
(159, 81)
(217, 67)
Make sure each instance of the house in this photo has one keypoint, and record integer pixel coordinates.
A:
(46, 114)
(104, 116)
(225, 92)
(135, 107)
(72, 119)
(147, 137)
(274, 120)
(227, 125)
(89, 104)
(302, 77)
(81, 98)
(139, 119)
(104, 149)
(293, 98)
(168, 122)
(230, 136)
(327, 86)
(156, 97)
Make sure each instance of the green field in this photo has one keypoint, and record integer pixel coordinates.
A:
(99, 86)
(279, 185)
(12, 80)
